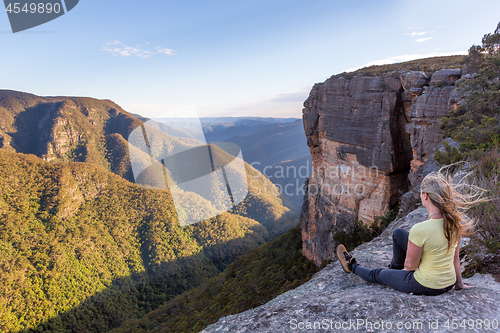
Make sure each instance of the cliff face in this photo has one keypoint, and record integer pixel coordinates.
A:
(368, 137)
(335, 301)
(434, 102)
(66, 129)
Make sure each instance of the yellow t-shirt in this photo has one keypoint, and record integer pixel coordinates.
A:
(436, 268)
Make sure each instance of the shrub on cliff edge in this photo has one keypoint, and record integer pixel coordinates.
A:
(475, 125)
(362, 233)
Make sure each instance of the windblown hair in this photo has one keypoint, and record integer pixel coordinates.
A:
(452, 200)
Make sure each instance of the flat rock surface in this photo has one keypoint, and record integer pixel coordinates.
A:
(335, 301)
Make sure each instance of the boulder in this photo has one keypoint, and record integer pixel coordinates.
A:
(446, 77)
(414, 79)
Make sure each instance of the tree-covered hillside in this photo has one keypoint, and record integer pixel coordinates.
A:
(66, 129)
(252, 280)
(77, 129)
(82, 249)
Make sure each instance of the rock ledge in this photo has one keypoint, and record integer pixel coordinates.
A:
(335, 301)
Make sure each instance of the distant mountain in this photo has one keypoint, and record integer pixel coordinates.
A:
(277, 149)
(289, 176)
(76, 129)
(273, 144)
(240, 120)
(223, 128)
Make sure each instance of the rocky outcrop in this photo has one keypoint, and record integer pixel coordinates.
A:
(369, 138)
(62, 139)
(66, 129)
(360, 155)
(446, 77)
(435, 102)
(335, 301)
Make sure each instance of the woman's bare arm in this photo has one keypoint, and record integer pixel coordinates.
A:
(413, 255)
(458, 270)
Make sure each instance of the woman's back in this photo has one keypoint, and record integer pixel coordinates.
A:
(436, 268)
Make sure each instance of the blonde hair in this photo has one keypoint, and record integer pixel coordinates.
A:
(452, 199)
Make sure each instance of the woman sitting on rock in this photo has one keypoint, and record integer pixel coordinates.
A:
(426, 259)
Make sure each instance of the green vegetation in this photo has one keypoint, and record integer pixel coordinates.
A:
(427, 65)
(75, 129)
(487, 214)
(252, 280)
(475, 126)
(483, 250)
(449, 155)
(264, 205)
(362, 233)
(82, 249)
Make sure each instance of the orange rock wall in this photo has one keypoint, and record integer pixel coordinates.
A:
(365, 135)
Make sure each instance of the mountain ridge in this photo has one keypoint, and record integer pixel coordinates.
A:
(82, 140)
(84, 129)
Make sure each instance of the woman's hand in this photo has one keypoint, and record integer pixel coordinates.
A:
(462, 286)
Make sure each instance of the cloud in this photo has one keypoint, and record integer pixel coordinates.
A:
(119, 49)
(166, 51)
(405, 57)
(298, 95)
(413, 34)
(420, 40)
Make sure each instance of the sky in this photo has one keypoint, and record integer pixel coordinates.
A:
(256, 58)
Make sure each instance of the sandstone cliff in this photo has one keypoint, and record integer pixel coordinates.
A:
(67, 129)
(335, 301)
(369, 138)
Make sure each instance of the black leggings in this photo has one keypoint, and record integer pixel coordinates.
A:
(397, 278)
